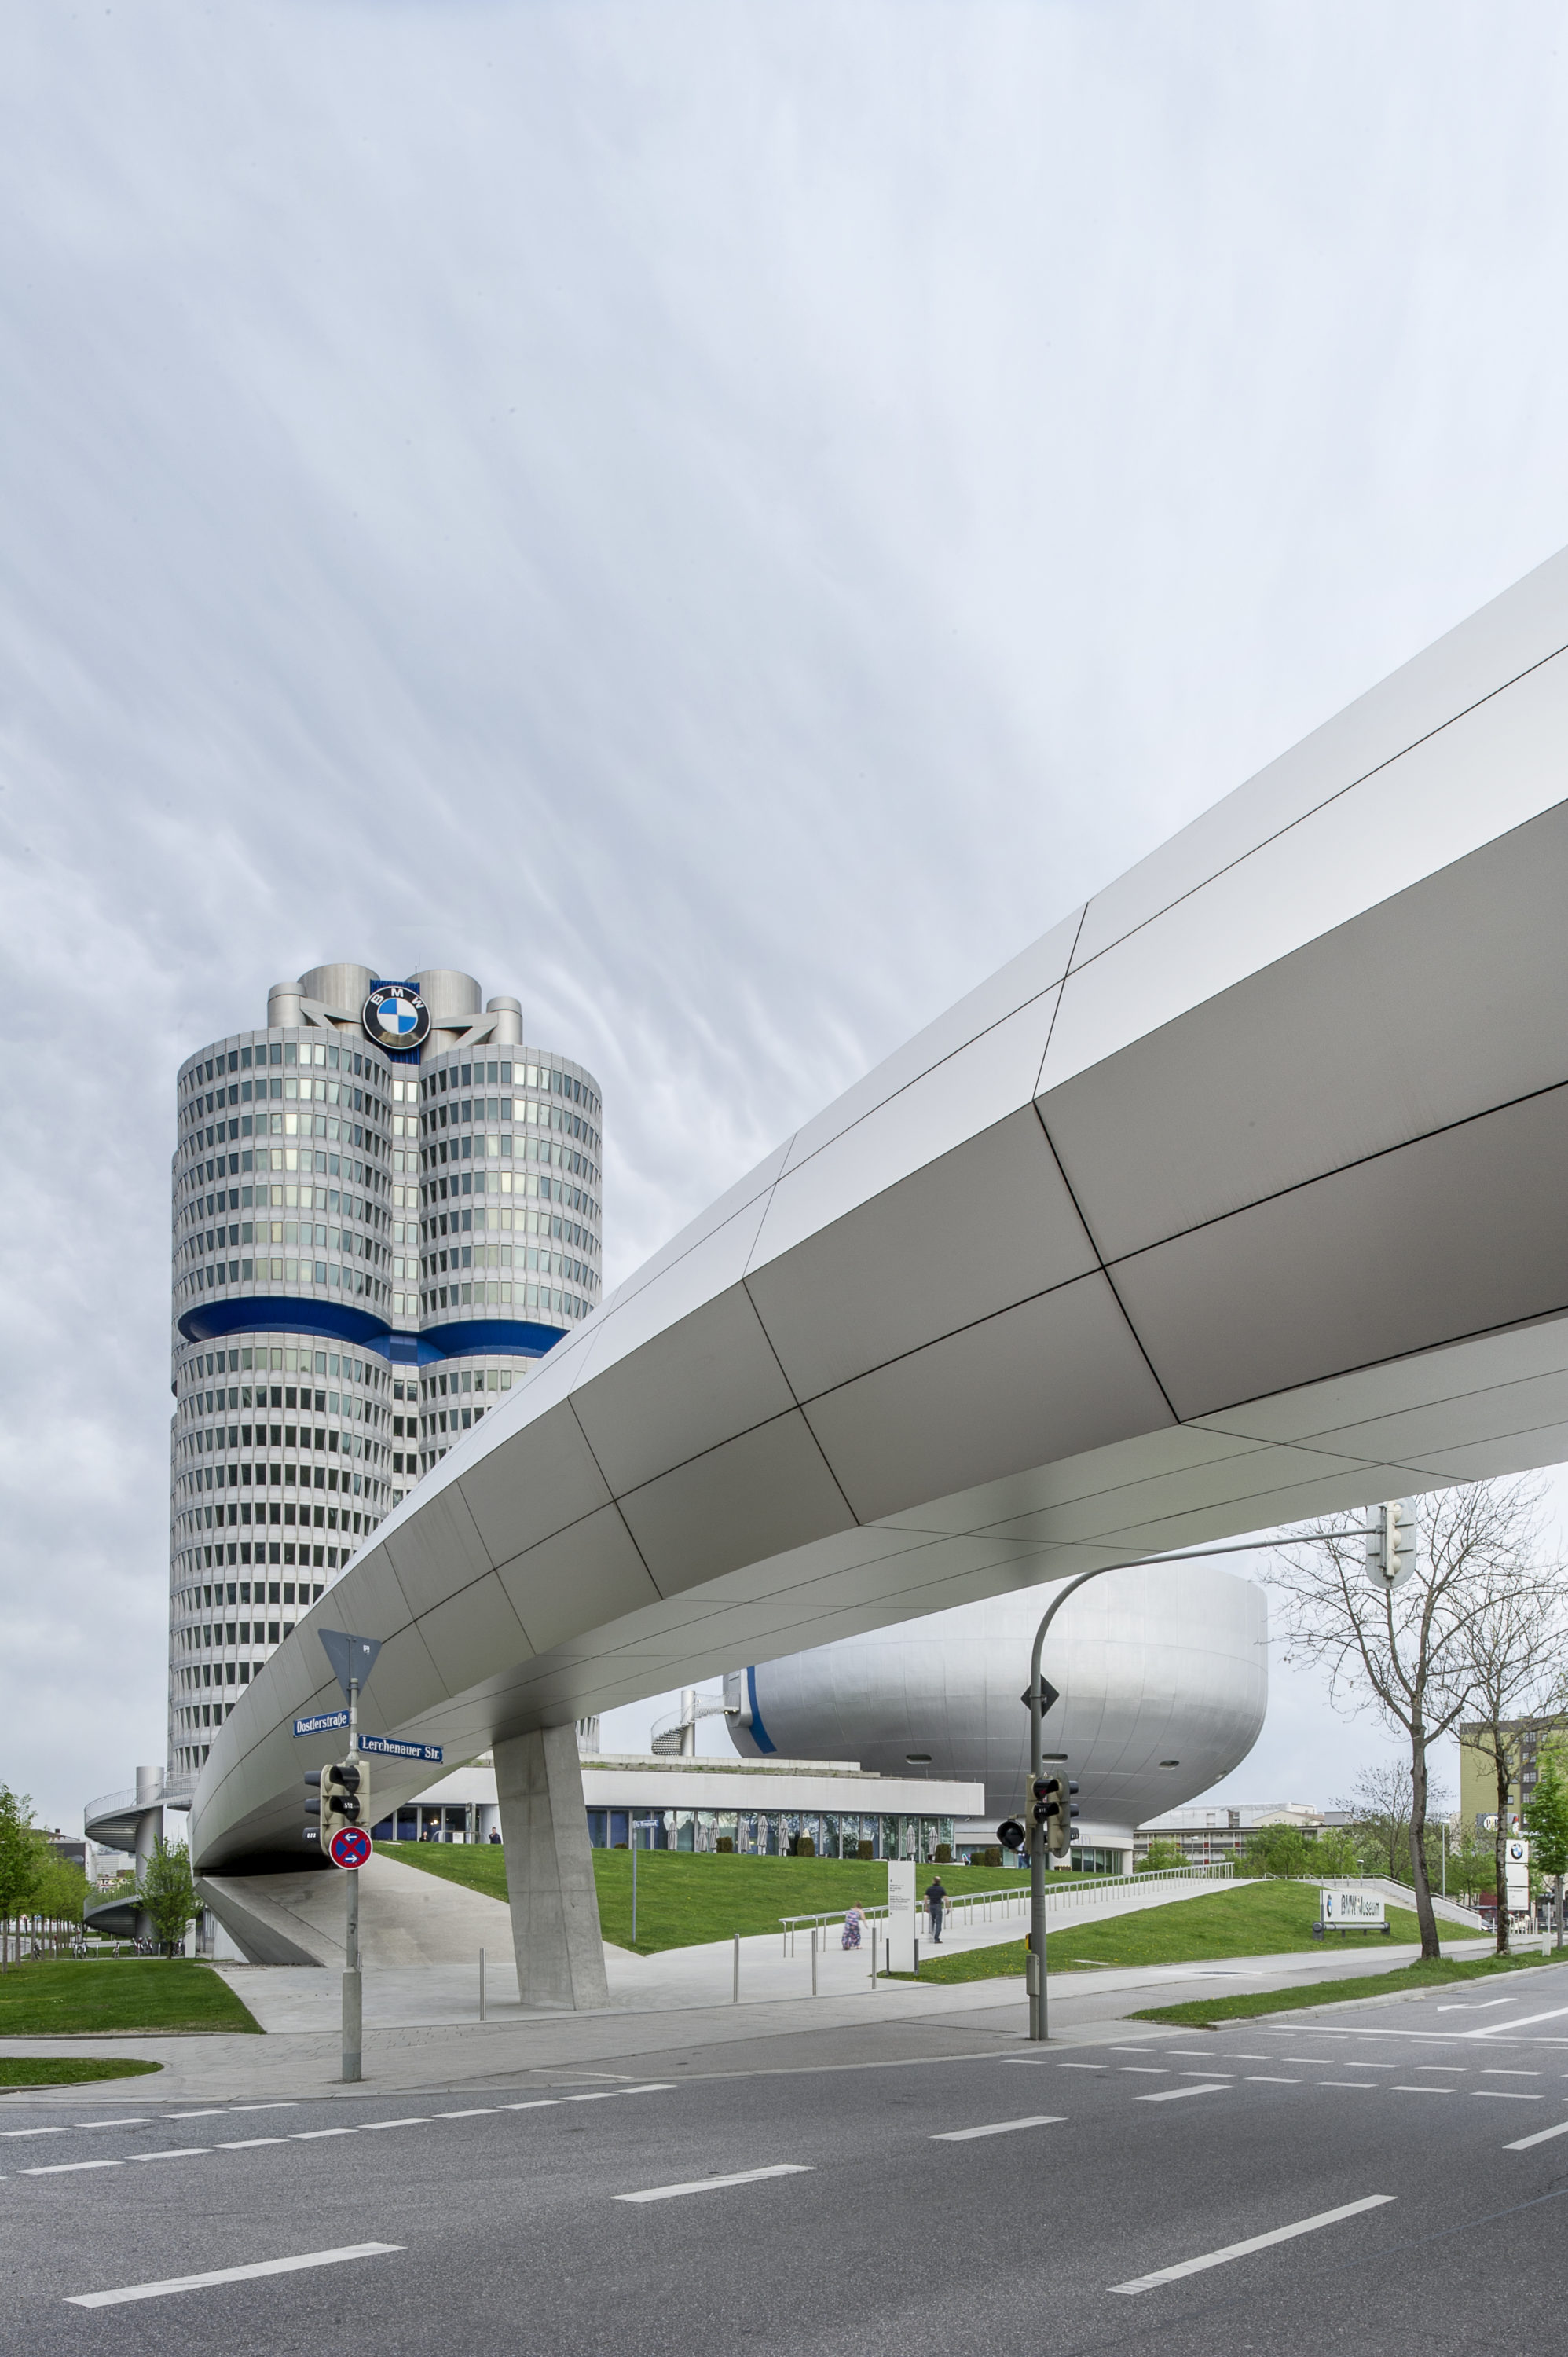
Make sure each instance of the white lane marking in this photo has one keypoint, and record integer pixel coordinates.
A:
(1520, 2021)
(479, 2112)
(290, 2104)
(1144, 2070)
(714, 2184)
(417, 2120)
(1081, 2066)
(1187, 2053)
(1253, 2243)
(139, 2120)
(1541, 2135)
(183, 2152)
(309, 2135)
(1449, 2070)
(1423, 2091)
(1506, 2095)
(1248, 2057)
(1212, 2074)
(1366, 2084)
(1267, 2079)
(998, 2127)
(63, 2167)
(1174, 2095)
(1485, 2007)
(212, 2113)
(538, 2104)
(248, 2144)
(1500, 2070)
(228, 2275)
(26, 2131)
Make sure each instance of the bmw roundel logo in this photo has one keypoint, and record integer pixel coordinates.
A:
(395, 1016)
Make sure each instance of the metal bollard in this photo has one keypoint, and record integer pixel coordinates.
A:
(481, 1984)
(813, 1960)
(735, 1999)
(874, 1960)
(916, 1960)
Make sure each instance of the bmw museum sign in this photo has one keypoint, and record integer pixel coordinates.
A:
(395, 1016)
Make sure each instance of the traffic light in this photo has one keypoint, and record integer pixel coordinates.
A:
(1055, 1811)
(1390, 1544)
(312, 1829)
(1012, 1834)
(345, 1797)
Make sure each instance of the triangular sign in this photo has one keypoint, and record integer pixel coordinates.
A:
(352, 1657)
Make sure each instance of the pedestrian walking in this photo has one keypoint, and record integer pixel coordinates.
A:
(936, 1900)
(853, 1917)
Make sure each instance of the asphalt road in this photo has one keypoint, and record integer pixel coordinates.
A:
(866, 2216)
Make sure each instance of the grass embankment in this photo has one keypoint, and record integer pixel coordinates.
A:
(53, 1996)
(685, 1897)
(1439, 1972)
(1261, 1919)
(63, 2071)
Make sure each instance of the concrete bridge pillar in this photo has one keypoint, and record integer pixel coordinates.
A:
(550, 1871)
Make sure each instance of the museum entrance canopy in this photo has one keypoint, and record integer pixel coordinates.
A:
(1236, 1198)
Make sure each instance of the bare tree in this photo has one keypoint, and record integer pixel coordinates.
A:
(1378, 1805)
(1411, 1654)
(1515, 1646)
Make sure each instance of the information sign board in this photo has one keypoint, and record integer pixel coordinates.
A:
(901, 1915)
(1359, 1910)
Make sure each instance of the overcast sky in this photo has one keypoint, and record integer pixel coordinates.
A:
(723, 520)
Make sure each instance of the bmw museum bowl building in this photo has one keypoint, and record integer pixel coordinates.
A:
(385, 1206)
(1162, 1673)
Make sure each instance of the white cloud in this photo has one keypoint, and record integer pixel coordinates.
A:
(723, 520)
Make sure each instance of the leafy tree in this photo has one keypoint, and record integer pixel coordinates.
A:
(60, 1891)
(1163, 1855)
(23, 1851)
(1280, 1850)
(1415, 1653)
(1332, 1855)
(1546, 1822)
(167, 1892)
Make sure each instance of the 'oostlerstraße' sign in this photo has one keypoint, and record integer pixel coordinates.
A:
(326, 1722)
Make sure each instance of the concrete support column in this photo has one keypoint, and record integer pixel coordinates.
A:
(149, 1829)
(550, 1871)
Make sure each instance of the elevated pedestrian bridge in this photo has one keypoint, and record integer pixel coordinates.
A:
(1237, 1198)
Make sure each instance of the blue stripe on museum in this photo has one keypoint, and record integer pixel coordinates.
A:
(469, 1337)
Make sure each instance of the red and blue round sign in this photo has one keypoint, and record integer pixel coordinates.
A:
(349, 1846)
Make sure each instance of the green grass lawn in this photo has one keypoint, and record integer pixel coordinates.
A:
(52, 1996)
(685, 1897)
(64, 2071)
(1260, 1920)
(1207, 2013)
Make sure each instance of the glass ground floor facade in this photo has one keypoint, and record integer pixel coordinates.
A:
(771, 1833)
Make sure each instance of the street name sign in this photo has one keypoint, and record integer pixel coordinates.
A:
(1345, 1910)
(394, 1749)
(322, 1724)
(350, 1845)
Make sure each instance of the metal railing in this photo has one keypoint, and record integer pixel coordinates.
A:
(962, 1908)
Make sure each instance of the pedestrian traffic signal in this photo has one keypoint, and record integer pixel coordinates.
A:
(1055, 1811)
(1390, 1544)
(1011, 1833)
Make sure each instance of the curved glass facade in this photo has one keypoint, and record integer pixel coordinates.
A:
(371, 1245)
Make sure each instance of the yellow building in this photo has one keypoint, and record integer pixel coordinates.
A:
(1530, 1740)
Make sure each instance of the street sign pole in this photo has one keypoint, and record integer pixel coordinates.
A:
(353, 1997)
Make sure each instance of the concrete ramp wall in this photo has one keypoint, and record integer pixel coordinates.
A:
(406, 1917)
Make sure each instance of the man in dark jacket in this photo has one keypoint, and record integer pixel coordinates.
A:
(936, 1900)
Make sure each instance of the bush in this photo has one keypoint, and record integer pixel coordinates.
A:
(803, 1845)
(865, 1849)
(992, 1857)
(1163, 1856)
(724, 1845)
(944, 1854)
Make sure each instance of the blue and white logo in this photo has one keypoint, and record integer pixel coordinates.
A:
(395, 1016)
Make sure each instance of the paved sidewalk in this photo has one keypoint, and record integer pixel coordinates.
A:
(843, 2026)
